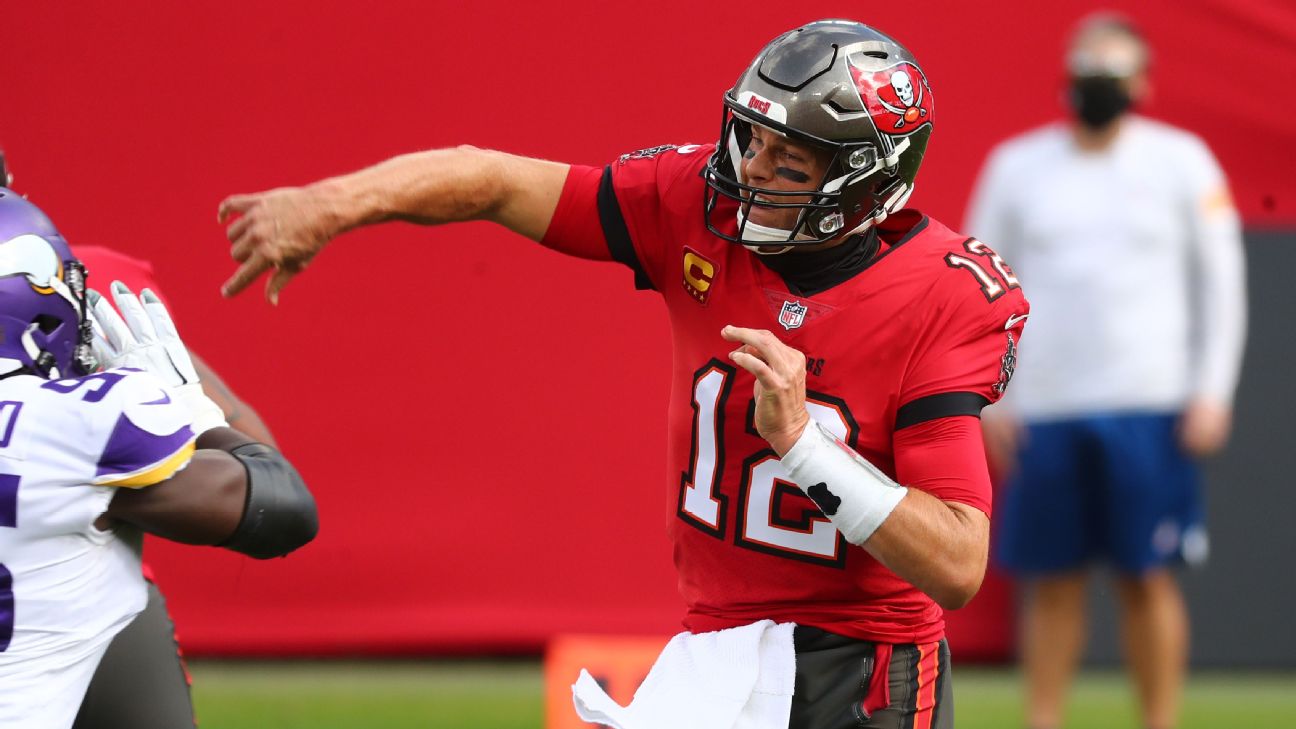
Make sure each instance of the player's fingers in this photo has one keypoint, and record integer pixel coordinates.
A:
(133, 312)
(755, 365)
(116, 334)
(244, 248)
(163, 325)
(751, 337)
(735, 334)
(238, 229)
(158, 314)
(277, 281)
(255, 265)
(763, 342)
(167, 334)
(103, 351)
(234, 205)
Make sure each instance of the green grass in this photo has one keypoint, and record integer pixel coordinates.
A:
(377, 695)
(485, 695)
(986, 699)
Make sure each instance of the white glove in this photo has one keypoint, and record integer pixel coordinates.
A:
(147, 340)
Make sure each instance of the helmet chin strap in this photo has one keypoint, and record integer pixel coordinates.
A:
(757, 233)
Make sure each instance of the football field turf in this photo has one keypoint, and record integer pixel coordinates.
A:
(487, 695)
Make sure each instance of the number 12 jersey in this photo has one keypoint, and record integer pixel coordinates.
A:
(901, 357)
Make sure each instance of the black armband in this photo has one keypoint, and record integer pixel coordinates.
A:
(279, 514)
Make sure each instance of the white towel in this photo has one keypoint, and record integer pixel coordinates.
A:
(740, 678)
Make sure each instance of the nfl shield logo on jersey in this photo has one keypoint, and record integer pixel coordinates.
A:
(792, 314)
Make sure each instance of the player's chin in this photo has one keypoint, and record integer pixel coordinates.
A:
(780, 218)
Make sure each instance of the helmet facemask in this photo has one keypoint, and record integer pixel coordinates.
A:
(844, 202)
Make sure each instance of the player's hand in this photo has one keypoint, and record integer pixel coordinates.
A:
(144, 337)
(1204, 427)
(779, 391)
(281, 229)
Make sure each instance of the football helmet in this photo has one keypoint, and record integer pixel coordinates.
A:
(840, 86)
(44, 329)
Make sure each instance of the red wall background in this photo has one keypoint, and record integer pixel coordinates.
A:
(483, 420)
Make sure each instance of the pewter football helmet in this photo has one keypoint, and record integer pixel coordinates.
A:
(841, 86)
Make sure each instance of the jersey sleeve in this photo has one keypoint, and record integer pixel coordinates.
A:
(966, 349)
(1220, 270)
(574, 228)
(148, 436)
(945, 458)
(619, 212)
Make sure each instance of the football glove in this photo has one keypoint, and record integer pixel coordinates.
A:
(144, 337)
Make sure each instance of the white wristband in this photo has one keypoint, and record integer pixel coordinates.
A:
(854, 495)
(206, 413)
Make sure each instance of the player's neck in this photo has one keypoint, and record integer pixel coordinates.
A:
(812, 271)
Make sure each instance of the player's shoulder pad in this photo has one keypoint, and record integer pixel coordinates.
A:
(975, 287)
(665, 152)
(126, 424)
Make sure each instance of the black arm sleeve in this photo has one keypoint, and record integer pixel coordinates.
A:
(617, 233)
(279, 515)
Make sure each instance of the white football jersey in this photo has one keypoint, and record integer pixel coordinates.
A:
(66, 587)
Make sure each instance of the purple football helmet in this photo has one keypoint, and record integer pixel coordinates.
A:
(44, 328)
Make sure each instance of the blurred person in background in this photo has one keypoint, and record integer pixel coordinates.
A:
(1124, 230)
(142, 681)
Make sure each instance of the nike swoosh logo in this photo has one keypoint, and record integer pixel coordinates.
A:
(160, 401)
(1013, 321)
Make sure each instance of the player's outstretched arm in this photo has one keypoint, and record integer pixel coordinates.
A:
(283, 229)
(940, 547)
(235, 493)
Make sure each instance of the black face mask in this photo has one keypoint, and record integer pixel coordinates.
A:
(1098, 100)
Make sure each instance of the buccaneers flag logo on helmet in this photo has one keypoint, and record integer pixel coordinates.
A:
(898, 98)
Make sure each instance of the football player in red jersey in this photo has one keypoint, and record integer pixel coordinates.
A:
(832, 350)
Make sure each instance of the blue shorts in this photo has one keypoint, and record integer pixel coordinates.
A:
(1111, 488)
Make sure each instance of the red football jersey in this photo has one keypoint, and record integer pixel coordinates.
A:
(105, 265)
(918, 341)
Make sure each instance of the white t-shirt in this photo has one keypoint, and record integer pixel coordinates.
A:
(66, 587)
(1132, 260)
